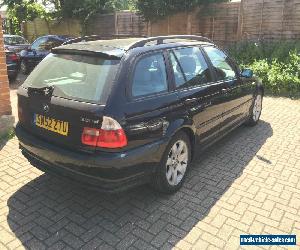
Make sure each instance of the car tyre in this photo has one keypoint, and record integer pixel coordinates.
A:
(171, 173)
(256, 109)
(24, 68)
(13, 77)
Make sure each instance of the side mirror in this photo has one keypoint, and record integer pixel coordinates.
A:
(29, 49)
(247, 73)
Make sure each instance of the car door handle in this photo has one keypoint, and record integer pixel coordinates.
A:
(225, 91)
(190, 101)
(155, 125)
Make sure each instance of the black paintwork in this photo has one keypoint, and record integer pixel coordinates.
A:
(32, 55)
(205, 112)
(12, 65)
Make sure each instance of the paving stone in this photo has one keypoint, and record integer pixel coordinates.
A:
(246, 183)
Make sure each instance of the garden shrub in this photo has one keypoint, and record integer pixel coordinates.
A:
(276, 63)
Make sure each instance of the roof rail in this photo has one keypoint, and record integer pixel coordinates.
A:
(160, 40)
(95, 38)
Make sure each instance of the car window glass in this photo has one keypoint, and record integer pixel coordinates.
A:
(150, 76)
(14, 40)
(189, 67)
(77, 77)
(220, 63)
(38, 44)
(50, 44)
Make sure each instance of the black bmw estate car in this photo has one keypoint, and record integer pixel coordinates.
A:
(122, 112)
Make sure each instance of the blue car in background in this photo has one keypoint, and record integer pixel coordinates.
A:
(39, 49)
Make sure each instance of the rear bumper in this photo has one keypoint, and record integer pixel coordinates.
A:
(12, 69)
(110, 172)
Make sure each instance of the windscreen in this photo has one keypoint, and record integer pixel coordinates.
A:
(76, 77)
(14, 40)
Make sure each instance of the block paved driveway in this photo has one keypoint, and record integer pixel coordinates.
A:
(248, 183)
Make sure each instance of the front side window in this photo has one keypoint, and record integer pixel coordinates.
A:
(50, 44)
(220, 63)
(189, 67)
(38, 44)
(150, 76)
(76, 77)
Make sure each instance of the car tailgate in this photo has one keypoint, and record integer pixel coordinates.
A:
(58, 120)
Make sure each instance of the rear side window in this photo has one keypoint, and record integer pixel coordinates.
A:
(189, 67)
(77, 77)
(220, 63)
(150, 76)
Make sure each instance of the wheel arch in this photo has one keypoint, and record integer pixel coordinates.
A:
(191, 134)
(186, 126)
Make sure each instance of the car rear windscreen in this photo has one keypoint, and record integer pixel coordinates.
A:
(76, 77)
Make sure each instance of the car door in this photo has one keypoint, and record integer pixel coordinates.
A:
(235, 97)
(196, 87)
(34, 54)
(151, 107)
(43, 48)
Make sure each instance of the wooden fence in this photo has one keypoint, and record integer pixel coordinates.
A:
(120, 23)
(269, 19)
(40, 27)
(223, 22)
(217, 21)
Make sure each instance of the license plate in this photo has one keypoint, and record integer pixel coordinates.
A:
(56, 126)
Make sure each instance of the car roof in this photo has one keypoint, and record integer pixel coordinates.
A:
(118, 47)
(61, 37)
(7, 35)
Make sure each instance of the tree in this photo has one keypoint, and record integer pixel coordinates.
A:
(23, 10)
(153, 10)
(85, 9)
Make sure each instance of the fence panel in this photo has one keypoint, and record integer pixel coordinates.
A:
(102, 24)
(270, 19)
(129, 23)
(40, 27)
(223, 22)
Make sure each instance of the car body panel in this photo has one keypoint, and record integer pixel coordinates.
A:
(77, 114)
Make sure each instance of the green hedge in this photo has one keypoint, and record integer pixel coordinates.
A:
(276, 63)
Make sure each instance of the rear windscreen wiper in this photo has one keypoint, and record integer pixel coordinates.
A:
(46, 91)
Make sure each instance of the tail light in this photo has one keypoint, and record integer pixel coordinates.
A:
(13, 57)
(111, 135)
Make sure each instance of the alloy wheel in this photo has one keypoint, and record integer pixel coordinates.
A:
(257, 108)
(23, 67)
(177, 163)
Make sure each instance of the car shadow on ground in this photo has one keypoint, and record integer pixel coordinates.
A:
(53, 212)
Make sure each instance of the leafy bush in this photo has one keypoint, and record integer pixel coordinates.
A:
(276, 63)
